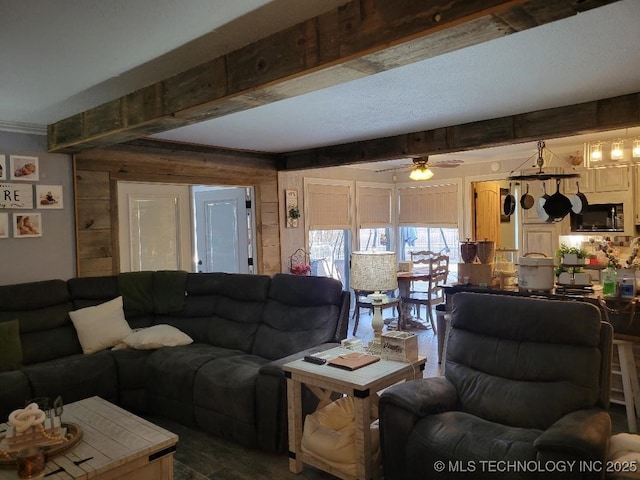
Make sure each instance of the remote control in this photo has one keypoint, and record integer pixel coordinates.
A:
(316, 360)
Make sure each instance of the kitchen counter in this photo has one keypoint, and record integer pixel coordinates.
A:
(621, 313)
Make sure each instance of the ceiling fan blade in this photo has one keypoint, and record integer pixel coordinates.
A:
(392, 169)
(446, 164)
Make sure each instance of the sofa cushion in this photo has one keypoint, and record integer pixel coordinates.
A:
(225, 397)
(463, 437)
(222, 309)
(42, 308)
(157, 336)
(169, 377)
(536, 357)
(300, 312)
(100, 327)
(10, 346)
(130, 370)
(14, 391)
(136, 289)
(91, 291)
(75, 377)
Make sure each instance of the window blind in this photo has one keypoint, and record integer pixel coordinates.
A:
(374, 206)
(428, 205)
(329, 206)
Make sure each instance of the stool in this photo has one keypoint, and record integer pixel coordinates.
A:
(630, 388)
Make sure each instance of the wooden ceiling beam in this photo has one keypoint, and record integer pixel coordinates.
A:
(361, 38)
(590, 117)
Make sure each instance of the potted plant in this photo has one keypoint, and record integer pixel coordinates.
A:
(294, 212)
(571, 255)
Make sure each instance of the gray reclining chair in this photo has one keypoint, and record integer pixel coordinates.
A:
(526, 380)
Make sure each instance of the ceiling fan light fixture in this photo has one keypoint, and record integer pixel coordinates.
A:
(421, 173)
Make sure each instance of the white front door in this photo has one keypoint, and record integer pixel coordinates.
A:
(223, 221)
(154, 227)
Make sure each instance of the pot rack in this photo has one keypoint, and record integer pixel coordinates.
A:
(540, 174)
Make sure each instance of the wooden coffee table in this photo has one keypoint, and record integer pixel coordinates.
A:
(115, 444)
(362, 384)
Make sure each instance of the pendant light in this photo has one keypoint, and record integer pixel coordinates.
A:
(617, 150)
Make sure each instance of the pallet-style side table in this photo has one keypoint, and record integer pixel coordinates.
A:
(362, 384)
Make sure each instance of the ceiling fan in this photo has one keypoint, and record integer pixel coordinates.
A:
(421, 167)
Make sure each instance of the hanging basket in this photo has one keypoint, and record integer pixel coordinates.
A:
(299, 263)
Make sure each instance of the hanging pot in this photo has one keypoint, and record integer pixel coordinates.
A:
(527, 201)
(578, 201)
(557, 205)
(509, 203)
(540, 202)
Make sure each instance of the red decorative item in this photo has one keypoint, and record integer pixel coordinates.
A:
(299, 263)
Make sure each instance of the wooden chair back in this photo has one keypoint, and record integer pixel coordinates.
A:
(438, 273)
(422, 257)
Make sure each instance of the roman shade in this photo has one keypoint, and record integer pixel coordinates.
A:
(428, 205)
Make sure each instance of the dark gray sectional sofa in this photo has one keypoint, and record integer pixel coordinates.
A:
(228, 382)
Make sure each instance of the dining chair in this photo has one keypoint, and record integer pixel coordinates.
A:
(420, 258)
(362, 301)
(434, 295)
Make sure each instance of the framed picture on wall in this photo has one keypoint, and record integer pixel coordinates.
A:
(3, 166)
(24, 169)
(49, 196)
(4, 225)
(28, 224)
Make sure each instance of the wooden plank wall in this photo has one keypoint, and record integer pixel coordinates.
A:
(98, 171)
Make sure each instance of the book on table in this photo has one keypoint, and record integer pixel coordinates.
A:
(353, 361)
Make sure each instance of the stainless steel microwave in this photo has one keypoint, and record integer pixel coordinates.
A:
(599, 217)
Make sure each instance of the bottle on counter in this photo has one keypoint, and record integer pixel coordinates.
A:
(609, 281)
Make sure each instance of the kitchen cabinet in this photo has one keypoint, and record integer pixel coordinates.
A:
(542, 238)
(612, 179)
(586, 181)
(636, 196)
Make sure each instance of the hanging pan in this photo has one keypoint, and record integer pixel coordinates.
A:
(509, 203)
(578, 201)
(542, 214)
(557, 205)
(527, 201)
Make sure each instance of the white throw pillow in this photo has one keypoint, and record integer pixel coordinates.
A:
(100, 327)
(157, 336)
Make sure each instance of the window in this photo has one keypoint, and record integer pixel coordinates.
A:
(329, 205)
(374, 217)
(440, 240)
(329, 254)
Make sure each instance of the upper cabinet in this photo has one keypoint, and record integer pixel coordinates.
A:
(612, 179)
(636, 197)
(586, 182)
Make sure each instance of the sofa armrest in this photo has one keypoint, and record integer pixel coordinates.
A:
(422, 397)
(275, 366)
(583, 433)
(401, 406)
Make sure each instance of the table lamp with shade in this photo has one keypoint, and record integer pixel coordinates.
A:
(374, 272)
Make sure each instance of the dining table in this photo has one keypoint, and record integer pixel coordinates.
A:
(407, 320)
